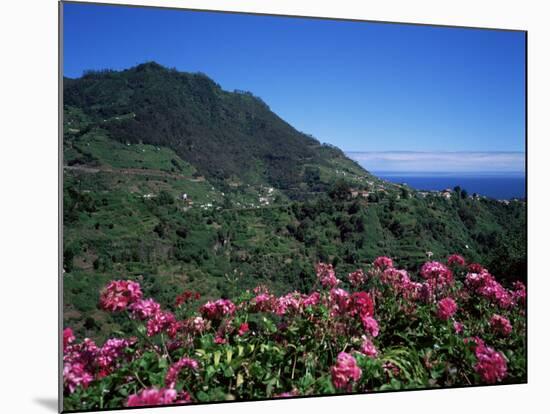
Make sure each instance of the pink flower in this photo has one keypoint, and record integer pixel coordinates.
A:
(485, 285)
(292, 393)
(155, 396)
(175, 369)
(368, 348)
(520, 293)
(263, 302)
(458, 327)
(370, 325)
(344, 371)
(312, 299)
(162, 322)
(501, 325)
(111, 351)
(383, 262)
(220, 340)
(476, 268)
(243, 329)
(289, 302)
(436, 273)
(68, 337)
(357, 278)
(75, 375)
(218, 309)
(340, 300)
(446, 308)
(491, 365)
(144, 309)
(326, 275)
(456, 260)
(118, 294)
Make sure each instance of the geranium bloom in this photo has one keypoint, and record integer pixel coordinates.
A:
(118, 294)
(436, 273)
(153, 396)
(458, 327)
(383, 262)
(186, 297)
(368, 348)
(326, 275)
(289, 302)
(243, 328)
(446, 308)
(68, 337)
(485, 285)
(520, 292)
(74, 375)
(370, 325)
(476, 268)
(174, 370)
(144, 309)
(110, 352)
(340, 300)
(361, 304)
(344, 371)
(162, 321)
(218, 309)
(312, 299)
(491, 365)
(263, 302)
(357, 278)
(500, 324)
(456, 260)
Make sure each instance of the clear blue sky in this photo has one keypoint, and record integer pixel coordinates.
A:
(360, 86)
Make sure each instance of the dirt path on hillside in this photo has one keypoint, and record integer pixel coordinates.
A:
(129, 171)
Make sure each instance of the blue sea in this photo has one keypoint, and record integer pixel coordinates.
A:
(500, 186)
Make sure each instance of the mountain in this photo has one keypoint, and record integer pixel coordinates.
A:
(226, 136)
(172, 181)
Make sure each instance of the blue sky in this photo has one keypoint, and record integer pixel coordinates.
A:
(364, 87)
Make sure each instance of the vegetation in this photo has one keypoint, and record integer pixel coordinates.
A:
(173, 182)
(381, 329)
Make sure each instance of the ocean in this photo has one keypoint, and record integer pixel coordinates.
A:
(498, 185)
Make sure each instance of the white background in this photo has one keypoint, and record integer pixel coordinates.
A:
(28, 202)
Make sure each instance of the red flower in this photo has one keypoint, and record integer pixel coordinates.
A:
(243, 329)
(456, 259)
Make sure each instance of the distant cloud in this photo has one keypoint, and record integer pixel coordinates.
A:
(408, 161)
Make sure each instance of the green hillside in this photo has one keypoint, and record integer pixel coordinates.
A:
(173, 181)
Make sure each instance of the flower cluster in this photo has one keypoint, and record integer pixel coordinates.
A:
(446, 308)
(187, 296)
(456, 260)
(357, 278)
(218, 309)
(484, 284)
(383, 262)
(226, 349)
(501, 325)
(144, 309)
(174, 370)
(437, 274)
(326, 275)
(345, 371)
(155, 396)
(118, 294)
(491, 365)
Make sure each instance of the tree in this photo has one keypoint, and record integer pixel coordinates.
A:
(340, 191)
